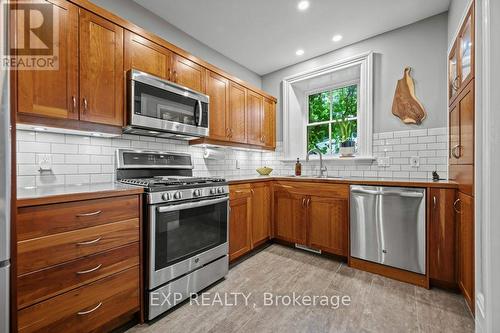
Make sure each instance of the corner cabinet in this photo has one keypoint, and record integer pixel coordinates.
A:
(88, 84)
(314, 215)
(250, 217)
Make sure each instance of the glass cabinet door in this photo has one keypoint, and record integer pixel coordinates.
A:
(453, 80)
(466, 50)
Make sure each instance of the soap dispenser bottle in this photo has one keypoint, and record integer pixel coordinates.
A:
(298, 168)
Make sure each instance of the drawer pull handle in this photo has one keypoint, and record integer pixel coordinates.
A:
(90, 242)
(89, 214)
(82, 313)
(458, 211)
(89, 270)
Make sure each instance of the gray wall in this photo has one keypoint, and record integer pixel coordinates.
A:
(140, 16)
(422, 45)
(455, 14)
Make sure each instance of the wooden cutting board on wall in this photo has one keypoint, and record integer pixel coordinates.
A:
(406, 105)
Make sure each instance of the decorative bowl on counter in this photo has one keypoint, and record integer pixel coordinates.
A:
(264, 171)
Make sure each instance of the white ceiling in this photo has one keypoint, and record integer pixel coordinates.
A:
(263, 35)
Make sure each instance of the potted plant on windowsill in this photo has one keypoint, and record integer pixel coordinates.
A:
(347, 144)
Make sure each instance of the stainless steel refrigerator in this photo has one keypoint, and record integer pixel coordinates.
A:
(5, 185)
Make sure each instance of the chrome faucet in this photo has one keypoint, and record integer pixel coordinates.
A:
(322, 168)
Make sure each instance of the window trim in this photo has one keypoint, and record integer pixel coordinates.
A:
(340, 85)
(365, 99)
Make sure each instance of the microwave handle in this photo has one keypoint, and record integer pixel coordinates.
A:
(200, 119)
(189, 205)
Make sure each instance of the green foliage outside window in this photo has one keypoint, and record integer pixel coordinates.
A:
(332, 119)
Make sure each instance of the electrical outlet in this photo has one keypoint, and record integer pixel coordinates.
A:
(383, 161)
(415, 161)
(45, 162)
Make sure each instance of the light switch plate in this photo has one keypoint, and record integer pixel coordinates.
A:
(415, 161)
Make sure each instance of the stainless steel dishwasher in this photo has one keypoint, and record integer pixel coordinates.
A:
(388, 226)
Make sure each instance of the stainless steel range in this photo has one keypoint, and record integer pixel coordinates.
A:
(186, 225)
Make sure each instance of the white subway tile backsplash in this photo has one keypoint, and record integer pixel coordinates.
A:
(79, 159)
(437, 131)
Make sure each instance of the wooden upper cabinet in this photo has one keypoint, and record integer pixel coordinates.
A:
(442, 237)
(237, 113)
(453, 74)
(261, 213)
(146, 56)
(101, 70)
(269, 123)
(188, 73)
(328, 224)
(465, 217)
(255, 109)
(218, 91)
(54, 93)
(454, 134)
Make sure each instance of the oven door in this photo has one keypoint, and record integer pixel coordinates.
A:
(186, 236)
(165, 106)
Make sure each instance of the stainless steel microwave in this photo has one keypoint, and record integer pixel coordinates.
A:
(157, 107)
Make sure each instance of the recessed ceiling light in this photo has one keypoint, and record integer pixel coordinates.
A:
(303, 5)
(299, 52)
(337, 38)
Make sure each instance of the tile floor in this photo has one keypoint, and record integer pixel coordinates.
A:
(377, 304)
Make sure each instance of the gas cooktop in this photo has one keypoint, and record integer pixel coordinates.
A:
(161, 183)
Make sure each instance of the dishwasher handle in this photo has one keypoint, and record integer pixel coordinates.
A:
(363, 191)
(406, 194)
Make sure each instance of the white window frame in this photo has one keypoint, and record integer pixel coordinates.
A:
(365, 104)
(324, 89)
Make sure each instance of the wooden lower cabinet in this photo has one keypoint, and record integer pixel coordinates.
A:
(328, 224)
(442, 238)
(318, 219)
(261, 213)
(82, 276)
(85, 309)
(250, 217)
(466, 262)
(239, 223)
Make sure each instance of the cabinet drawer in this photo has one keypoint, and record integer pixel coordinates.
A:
(38, 221)
(87, 308)
(239, 191)
(51, 250)
(313, 188)
(33, 287)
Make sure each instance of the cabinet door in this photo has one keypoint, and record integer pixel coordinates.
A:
(188, 73)
(239, 226)
(237, 113)
(261, 213)
(442, 235)
(269, 123)
(146, 56)
(453, 78)
(218, 90)
(465, 209)
(290, 219)
(54, 93)
(255, 108)
(466, 106)
(454, 134)
(101, 70)
(465, 48)
(328, 224)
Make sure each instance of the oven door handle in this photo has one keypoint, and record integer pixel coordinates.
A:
(189, 205)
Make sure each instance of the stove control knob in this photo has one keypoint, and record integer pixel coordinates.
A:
(177, 195)
(213, 190)
(197, 193)
(220, 190)
(167, 196)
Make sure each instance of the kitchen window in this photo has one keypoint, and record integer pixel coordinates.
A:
(332, 118)
(329, 107)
